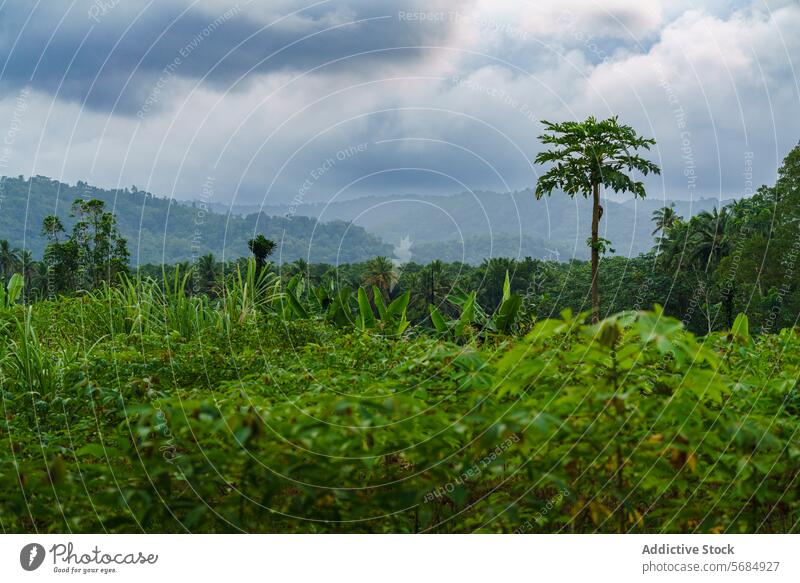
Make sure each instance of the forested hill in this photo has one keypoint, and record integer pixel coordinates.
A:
(501, 225)
(464, 227)
(163, 230)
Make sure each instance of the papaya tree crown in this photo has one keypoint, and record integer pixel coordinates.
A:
(592, 152)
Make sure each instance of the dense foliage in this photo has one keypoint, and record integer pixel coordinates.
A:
(142, 408)
(94, 253)
(376, 397)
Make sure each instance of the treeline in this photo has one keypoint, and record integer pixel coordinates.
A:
(703, 271)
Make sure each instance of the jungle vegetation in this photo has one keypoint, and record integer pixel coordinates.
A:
(253, 396)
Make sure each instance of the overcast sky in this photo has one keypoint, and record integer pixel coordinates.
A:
(275, 101)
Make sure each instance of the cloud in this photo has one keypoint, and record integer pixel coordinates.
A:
(724, 85)
(558, 19)
(111, 58)
(447, 96)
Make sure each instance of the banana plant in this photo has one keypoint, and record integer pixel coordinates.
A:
(12, 292)
(471, 313)
(322, 297)
(740, 331)
(324, 303)
(293, 306)
(391, 319)
(340, 312)
(506, 317)
(504, 321)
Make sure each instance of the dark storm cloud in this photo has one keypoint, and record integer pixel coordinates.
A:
(111, 57)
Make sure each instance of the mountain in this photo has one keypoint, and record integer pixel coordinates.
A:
(464, 227)
(161, 230)
(474, 250)
(483, 224)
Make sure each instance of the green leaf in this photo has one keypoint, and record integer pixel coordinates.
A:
(366, 315)
(438, 320)
(507, 314)
(399, 305)
(376, 295)
(94, 450)
(741, 328)
(467, 315)
(295, 305)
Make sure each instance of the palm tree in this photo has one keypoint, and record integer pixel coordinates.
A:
(708, 244)
(492, 273)
(380, 272)
(434, 280)
(665, 219)
(300, 266)
(40, 279)
(207, 273)
(429, 285)
(587, 155)
(709, 237)
(9, 259)
(673, 246)
(330, 275)
(27, 267)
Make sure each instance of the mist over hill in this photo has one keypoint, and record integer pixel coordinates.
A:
(467, 227)
(483, 224)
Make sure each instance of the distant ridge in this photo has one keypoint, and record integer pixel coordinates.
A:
(503, 223)
(465, 227)
(160, 230)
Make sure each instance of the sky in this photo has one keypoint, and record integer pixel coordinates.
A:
(285, 102)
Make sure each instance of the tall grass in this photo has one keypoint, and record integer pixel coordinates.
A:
(142, 306)
(28, 364)
(246, 295)
(136, 307)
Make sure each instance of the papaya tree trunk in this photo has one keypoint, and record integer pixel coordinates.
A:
(729, 298)
(595, 253)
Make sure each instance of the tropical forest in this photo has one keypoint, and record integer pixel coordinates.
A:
(257, 391)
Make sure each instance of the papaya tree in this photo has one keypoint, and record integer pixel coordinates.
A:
(585, 156)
